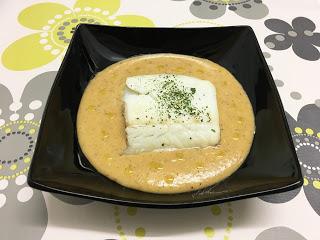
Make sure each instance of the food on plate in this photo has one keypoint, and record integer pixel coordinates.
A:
(165, 123)
(170, 112)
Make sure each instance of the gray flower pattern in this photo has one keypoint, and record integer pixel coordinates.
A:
(301, 36)
(212, 9)
(280, 233)
(24, 207)
(306, 136)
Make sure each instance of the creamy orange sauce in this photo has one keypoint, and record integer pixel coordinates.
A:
(102, 137)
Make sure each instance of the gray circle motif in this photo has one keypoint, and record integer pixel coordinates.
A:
(279, 83)
(270, 67)
(213, 7)
(15, 140)
(266, 54)
(246, 5)
(279, 233)
(270, 45)
(308, 33)
(292, 34)
(232, 8)
(280, 38)
(296, 95)
(197, 3)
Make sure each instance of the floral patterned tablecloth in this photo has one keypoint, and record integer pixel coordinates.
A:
(34, 37)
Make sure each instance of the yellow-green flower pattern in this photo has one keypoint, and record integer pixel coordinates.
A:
(56, 24)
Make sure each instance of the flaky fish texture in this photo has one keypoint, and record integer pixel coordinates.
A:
(167, 111)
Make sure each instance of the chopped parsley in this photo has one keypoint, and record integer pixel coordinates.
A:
(176, 100)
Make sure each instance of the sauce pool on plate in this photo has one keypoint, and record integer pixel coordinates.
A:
(101, 126)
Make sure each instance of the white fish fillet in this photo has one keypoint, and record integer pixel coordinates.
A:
(151, 125)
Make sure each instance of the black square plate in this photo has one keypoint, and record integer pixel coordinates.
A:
(58, 165)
